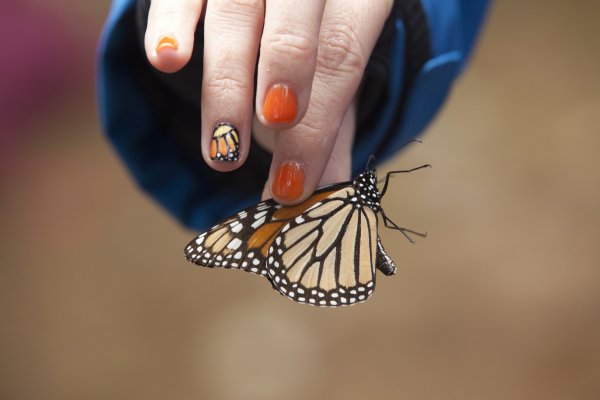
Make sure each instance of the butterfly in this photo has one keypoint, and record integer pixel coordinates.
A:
(324, 251)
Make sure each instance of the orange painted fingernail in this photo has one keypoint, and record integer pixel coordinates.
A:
(289, 181)
(280, 104)
(166, 42)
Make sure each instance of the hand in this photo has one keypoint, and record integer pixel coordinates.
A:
(312, 57)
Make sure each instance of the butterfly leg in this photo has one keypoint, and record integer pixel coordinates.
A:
(405, 231)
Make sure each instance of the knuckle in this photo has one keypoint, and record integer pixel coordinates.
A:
(292, 45)
(222, 85)
(316, 129)
(242, 7)
(340, 49)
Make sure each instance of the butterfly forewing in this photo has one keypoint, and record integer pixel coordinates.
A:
(242, 241)
(327, 255)
(237, 242)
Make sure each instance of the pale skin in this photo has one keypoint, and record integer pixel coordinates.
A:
(318, 48)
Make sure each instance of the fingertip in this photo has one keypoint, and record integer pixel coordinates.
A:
(288, 184)
(167, 52)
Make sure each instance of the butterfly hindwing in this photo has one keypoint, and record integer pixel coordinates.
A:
(327, 255)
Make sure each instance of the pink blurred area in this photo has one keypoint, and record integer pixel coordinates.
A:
(500, 301)
(44, 56)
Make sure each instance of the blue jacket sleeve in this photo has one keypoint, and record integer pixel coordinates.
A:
(155, 129)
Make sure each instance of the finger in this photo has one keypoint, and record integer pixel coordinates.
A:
(340, 163)
(231, 36)
(169, 36)
(288, 55)
(348, 33)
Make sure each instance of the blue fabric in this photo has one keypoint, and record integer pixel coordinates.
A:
(133, 124)
(134, 120)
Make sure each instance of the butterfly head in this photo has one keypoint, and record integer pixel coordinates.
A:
(365, 185)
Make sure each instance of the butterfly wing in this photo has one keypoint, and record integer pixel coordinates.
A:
(242, 241)
(238, 241)
(327, 255)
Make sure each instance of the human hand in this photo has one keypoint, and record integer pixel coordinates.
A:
(312, 57)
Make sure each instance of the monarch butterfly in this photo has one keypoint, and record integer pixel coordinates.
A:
(225, 143)
(323, 251)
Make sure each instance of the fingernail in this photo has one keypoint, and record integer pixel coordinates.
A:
(289, 181)
(225, 143)
(280, 104)
(166, 42)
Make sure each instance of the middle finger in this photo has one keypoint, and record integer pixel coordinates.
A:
(288, 56)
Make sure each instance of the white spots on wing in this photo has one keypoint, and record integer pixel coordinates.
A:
(200, 239)
(238, 255)
(234, 244)
(258, 222)
(260, 215)
(237, 227)
(299, 219)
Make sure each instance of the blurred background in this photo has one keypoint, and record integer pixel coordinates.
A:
(501, 301)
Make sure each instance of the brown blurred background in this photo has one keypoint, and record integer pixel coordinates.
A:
(501, 301)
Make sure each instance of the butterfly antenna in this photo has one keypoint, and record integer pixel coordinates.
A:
(402, 171)
(392, 225)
